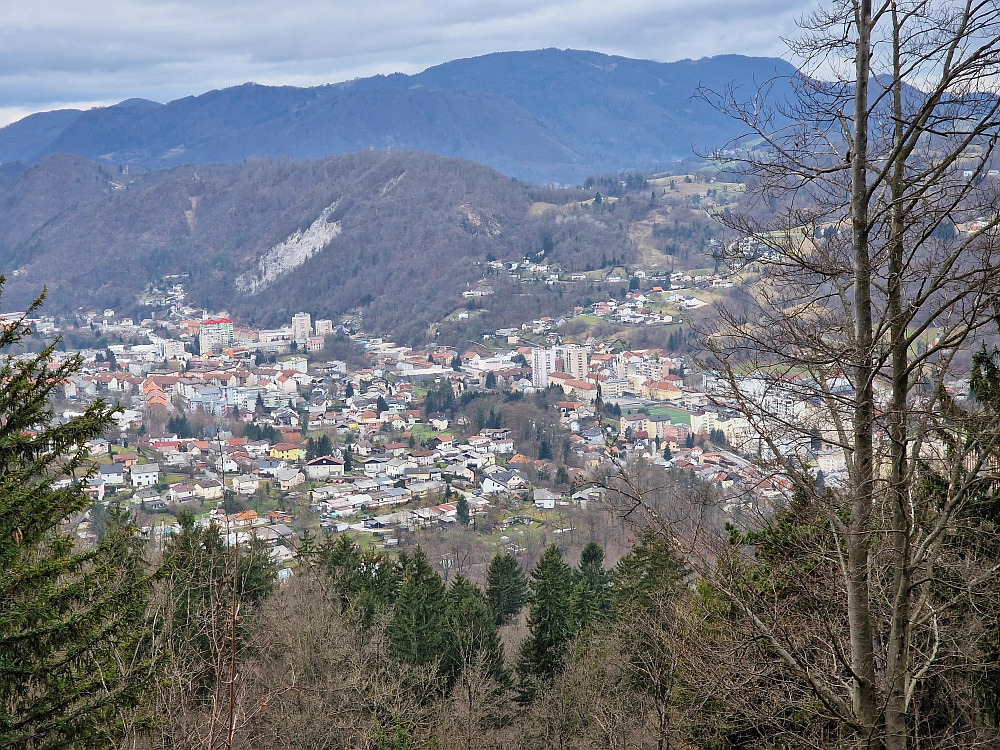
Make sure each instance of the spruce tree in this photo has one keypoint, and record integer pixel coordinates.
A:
(592, 601)
(470, 633)
(416, 632)
(506, 588)
(75, 656)
(550, 621)
(462, 512)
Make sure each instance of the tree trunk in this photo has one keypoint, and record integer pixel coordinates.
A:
(858, 544)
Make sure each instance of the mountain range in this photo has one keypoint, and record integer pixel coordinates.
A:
(545, 116)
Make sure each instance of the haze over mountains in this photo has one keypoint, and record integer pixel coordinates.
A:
(544, 116)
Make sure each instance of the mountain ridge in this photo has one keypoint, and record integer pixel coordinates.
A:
(543, 116)
(399, 235)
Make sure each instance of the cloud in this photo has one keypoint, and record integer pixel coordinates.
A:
(55, 51)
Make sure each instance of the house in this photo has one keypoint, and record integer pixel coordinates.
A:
(286, 479)
(208, 489)
(396, 466)
(97, 446)
(245, 484)
(502, 482)
(545, 499)
(438, 421)
(127, 460)
(181, 493)
(112, 474)
(267, 467)
(95, 489)
(149, 500)
(288, 452)
(324, 467)
(145, 475)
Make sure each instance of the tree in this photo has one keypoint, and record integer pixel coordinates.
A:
(596, 581)
(491, 380)
(471, 636)
(462, 511)
(381, 405)
(213, 593)
(506, 588)
(76, 662)
(651, 601)
(417, 629)
(456, 363)
(861, 328)
(544, 450)
(550, 622)
(562, 475)
(349, 390)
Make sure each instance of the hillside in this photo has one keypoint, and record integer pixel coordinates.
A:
(401, 235)
(544, 116)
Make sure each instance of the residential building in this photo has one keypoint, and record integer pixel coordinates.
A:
(542, 365)
(301, 327)
(574, 360)
(145, 475)
(215, 334)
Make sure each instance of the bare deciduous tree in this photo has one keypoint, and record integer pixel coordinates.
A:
(869, 244)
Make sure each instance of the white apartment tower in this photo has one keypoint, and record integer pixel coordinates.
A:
(575, 360)
(323, 327)
(301, 327)
(543, 363)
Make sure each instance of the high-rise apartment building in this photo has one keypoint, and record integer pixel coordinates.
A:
(575, 360)
(323, 327)
(542, 365)
(301, 327)
(214, 334)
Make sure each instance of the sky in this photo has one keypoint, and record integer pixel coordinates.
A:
(85, 53)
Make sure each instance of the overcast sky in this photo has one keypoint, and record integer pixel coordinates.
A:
(83, 53)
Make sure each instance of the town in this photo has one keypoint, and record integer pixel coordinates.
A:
(260, 433)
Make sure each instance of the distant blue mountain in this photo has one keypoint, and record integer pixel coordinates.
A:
(545, 116)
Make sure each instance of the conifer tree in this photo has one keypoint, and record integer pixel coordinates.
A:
(470, 633)
(416, 632)
(75, 656)
(591, 601)
(462, 511)
(550, 621)
(506, 588)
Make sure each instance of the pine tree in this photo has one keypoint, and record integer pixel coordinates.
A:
(470, 633)
(506, 588)
(462, 511)
(550, 622)
(416, 632)
(75, 657)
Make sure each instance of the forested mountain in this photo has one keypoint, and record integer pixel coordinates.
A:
(546, 115)
(402, 235)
